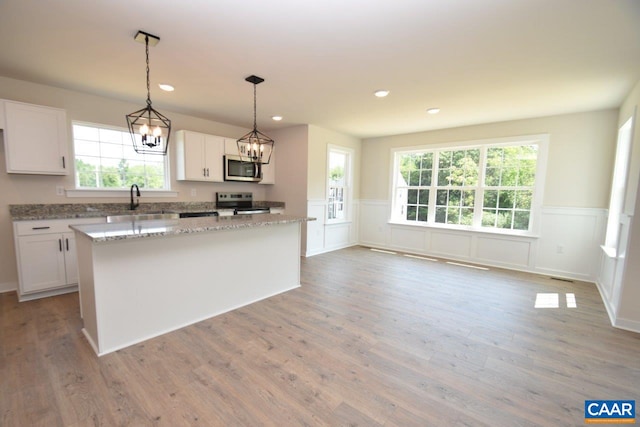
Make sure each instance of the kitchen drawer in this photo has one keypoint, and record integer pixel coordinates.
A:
(28, 228)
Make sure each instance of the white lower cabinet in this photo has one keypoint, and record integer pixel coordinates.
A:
(46, 256)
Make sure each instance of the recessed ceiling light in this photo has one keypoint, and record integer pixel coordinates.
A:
(276, 118)
(381, 93)
(433, 110)
(166, 87)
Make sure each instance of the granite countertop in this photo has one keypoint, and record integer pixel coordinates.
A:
(140, 229)
(32, 212)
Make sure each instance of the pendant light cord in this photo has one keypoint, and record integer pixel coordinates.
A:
(255, 123)
(146, 41)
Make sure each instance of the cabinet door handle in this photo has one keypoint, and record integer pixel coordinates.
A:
(67, 242)
(207, 171)
(40, 228)
(64, 166)
(60, 244)
(204, 171)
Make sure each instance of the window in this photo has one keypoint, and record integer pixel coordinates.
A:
(105, 159)
(486, 186)
(339, 183)
(508, 186)
(456, 187)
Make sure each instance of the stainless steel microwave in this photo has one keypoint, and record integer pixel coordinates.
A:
(237, 170)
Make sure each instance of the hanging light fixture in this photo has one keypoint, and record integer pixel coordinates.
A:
(255, 147)
(149, 129)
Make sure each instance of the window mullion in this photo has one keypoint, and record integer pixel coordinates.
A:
(431, 217)
(479, 200)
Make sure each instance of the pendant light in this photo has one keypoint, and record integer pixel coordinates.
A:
(149, 129)
(255, 147)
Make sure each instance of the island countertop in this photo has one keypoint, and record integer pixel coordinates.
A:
(99, 233)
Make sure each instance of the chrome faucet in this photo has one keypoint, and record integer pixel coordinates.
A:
(137, 202)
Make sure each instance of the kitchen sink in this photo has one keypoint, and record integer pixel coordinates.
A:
(150, 216)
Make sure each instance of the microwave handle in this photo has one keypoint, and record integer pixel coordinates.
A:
(257, 170)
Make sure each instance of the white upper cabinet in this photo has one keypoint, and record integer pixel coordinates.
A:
(230, 146)
(199, 156)
(269, 171)
(35, 139)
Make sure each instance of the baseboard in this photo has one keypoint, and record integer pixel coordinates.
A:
(8, 287)
(475, 261)
(616, 322)
(628, 325)
(607, 305)
(330, 249)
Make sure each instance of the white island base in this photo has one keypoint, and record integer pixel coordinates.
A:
(134, 289)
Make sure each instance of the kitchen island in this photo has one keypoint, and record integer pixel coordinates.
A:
(141, 279)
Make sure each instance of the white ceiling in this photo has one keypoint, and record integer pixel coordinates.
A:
(478, 60)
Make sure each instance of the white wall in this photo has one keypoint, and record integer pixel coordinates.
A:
(618, 280)
(323, 237)
(573, 216)
(291, 147)
(580, 161)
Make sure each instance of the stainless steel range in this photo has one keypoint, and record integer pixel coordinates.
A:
(241, 203)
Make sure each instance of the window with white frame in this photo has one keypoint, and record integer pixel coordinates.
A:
(489, 185)
(105, 159)
(339, 183)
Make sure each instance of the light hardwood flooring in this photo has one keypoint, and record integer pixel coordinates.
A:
(369, 339)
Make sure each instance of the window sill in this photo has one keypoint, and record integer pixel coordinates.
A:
(609, 251)
(118, 193)
(463, 229)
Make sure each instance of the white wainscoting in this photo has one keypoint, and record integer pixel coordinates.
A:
(568, 245)
(323, 237)
(612, 267)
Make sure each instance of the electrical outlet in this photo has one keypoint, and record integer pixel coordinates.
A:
(194, 193)
(59, 190)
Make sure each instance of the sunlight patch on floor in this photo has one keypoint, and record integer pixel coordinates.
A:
(552, 300)
(383, 251)
(467, 265)
(547, 301)
(420, 257)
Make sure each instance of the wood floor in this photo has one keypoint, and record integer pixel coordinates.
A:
(370, 339)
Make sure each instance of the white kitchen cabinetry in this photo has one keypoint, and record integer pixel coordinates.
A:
(46, 256)
(35, 139)
(268, 171)
(199, 156)
(230, 146)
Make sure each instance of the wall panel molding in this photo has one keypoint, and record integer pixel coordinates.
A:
(568, 245)
(326, 237)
